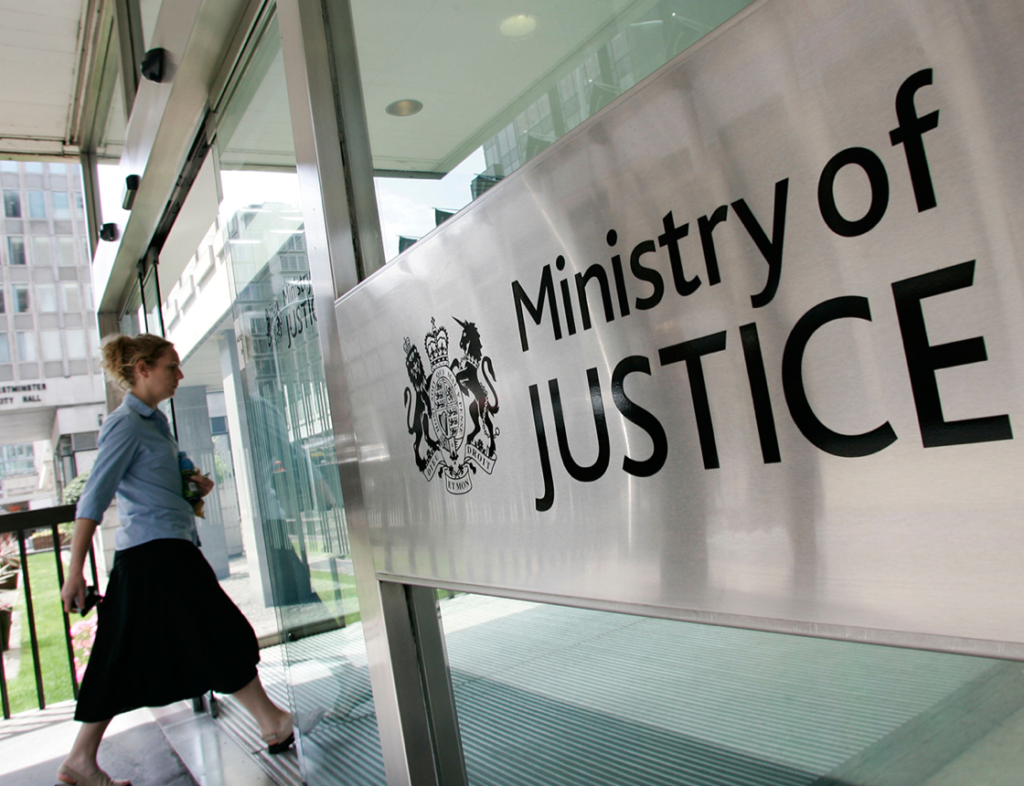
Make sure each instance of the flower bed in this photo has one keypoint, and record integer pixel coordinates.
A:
(83, 634)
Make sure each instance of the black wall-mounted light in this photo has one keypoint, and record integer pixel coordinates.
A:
(108, 232)
(152, 65)
(131, 185)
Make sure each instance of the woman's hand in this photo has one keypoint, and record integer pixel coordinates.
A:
(205, 483)
(73, 591)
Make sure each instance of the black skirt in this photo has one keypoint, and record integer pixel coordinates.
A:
(166, 632)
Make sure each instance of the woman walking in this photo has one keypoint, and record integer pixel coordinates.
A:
(166, 630)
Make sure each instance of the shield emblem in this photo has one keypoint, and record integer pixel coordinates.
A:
(446, 411)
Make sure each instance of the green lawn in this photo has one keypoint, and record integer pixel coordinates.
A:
(53, 651)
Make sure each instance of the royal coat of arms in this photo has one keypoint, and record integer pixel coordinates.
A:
(440, 402)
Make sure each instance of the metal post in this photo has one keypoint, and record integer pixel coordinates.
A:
(4, 698)
(64, 614)
(437, 684)
(31, 620)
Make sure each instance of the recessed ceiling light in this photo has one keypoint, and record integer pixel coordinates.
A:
(518, 26)
(403, 108)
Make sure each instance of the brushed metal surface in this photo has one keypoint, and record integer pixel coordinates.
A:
(844, 519)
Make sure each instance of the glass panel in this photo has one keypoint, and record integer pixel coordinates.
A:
(34, 167)
(72, 297)
(3, 304)
(58, 169)
(61, 206)
(27, 347)
(151, 300)
(66, 251)
(490, 91)
(548, 694)
(297, 489)
(36, 204)
(46, 298)
(108, 152)
(12, 204)
(41, 251)
(21, 299)
(16, 250)
(76, 344)
(79, 206)
(51, 348)
(5, 349)
(131, 322)
(9, 166)
(253, 409)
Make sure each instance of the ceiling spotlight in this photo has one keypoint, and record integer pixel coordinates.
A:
(404, 108)
(518, 26)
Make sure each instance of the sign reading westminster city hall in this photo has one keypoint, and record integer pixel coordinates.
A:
(757, 335)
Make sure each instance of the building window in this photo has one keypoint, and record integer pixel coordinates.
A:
(27, 347)
(76, 344)
(61, 206)
(3, 305)
(9, 166)
(79, 206)
(21, 299)
(72, 296)
(46, 298)
(41, 251)
(36, 204)
(12, 204)
(58, 169)
(34, 167)
(66, 251)
(16, 250)
(50, 341)
(5, 349)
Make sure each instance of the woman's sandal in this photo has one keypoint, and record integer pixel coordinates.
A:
(281, 740)
(68, 777)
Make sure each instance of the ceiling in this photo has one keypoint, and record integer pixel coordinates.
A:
(452, 56)
(41, 56)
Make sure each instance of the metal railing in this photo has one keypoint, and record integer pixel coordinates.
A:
(21, 525)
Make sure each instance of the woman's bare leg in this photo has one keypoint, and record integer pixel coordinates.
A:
(271, 718)
(82, 758)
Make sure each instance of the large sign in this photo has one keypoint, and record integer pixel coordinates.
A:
(747, 347)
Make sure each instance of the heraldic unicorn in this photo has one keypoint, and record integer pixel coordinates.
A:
(439, 401)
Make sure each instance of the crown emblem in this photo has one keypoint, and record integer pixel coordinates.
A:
(407, 345)
(436, 344)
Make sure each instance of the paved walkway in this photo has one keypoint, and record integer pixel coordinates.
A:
(33, 744)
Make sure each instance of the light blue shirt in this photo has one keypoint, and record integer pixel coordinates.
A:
(138, 460)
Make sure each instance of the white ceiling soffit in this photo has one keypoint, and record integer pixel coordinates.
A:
(451, 56)
(40, 55)
(27, 425)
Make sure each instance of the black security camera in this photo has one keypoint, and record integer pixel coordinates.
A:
(153, 65)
